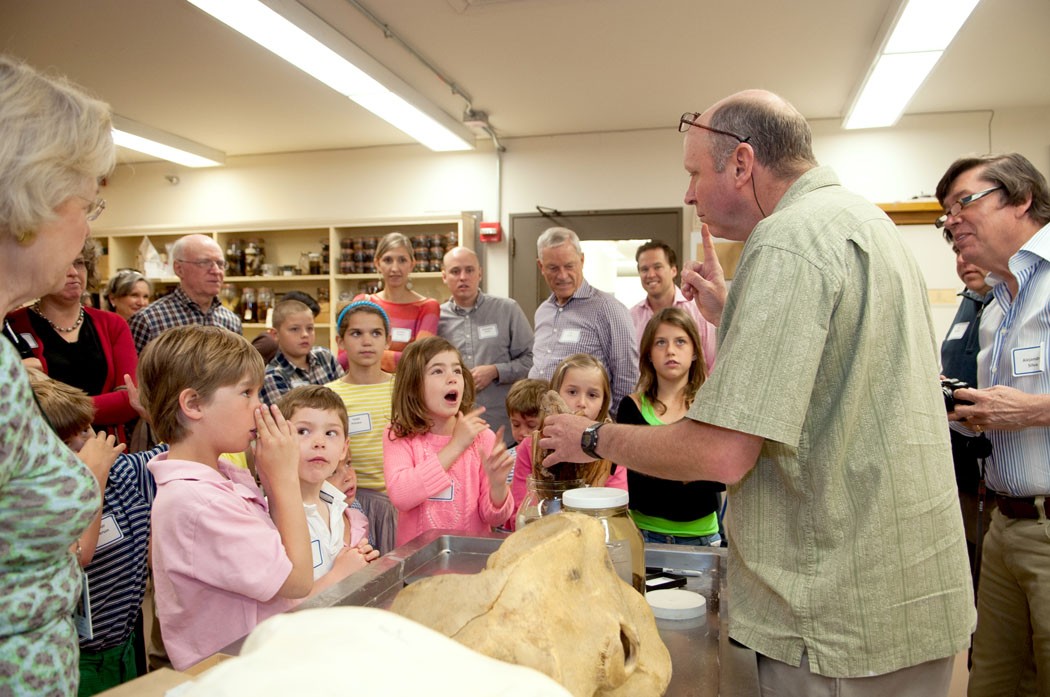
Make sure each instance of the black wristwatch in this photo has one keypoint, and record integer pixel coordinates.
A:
(589, 440)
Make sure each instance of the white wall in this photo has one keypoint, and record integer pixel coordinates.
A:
(635, 169)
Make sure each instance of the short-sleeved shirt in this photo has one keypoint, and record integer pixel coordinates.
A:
(47, 499)
(368, 411)
(845, 538)
(592, 322)
(282, 375)
(218, 559)
(326, 536)
(177, 310)
(117, 571)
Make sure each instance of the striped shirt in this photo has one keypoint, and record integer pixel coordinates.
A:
(368, 408)
(177, 310)
(282, 375)
(592, 322)
(117, 572)
(1015, 352)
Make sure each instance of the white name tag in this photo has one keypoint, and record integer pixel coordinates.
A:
(29, 339)
(569, 336)
(108, 532)
(445, 495)
(315, 547)
(359, 423)
(488, 331)
(957, 331)
(401, 334)
(1027, 361)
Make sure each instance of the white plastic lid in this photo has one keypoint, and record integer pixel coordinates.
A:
(595, 497)
(675, 604)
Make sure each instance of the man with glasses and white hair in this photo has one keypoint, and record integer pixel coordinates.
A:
(824, 416)
(578, 318)
(201, 267)
(997, 213)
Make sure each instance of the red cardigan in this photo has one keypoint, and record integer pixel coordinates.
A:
(111, 408)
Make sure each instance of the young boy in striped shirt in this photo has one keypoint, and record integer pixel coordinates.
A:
(364, 333)
(116, 574)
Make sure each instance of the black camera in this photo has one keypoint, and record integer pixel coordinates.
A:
(948, 387)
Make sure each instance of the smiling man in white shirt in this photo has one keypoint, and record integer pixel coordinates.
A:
(997, 209)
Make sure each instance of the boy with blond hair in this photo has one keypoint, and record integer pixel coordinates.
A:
(523, 406)
(221, 564)
(298, 361)
(317, 415)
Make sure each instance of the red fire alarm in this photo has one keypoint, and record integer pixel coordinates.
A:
(491, 232)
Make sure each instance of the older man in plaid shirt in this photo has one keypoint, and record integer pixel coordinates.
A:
(200, 266)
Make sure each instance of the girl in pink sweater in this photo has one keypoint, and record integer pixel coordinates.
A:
(444, 467)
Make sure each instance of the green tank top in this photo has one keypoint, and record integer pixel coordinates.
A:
(708, 525)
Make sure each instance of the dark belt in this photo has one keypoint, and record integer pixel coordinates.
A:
(1012, 507)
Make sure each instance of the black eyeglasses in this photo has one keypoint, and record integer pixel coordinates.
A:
(690, 118)
(965, 201)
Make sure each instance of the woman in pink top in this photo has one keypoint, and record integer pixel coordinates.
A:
(412, 316)
(444, 467)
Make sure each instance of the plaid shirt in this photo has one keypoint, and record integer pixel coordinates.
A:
(177, 310)
(281, 375)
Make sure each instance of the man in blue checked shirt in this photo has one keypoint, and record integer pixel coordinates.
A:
(997, 209)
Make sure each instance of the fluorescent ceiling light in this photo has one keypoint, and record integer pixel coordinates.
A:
(915, 43)
(167, 146)
(302, 39)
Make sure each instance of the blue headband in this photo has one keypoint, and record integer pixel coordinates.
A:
(358, 305)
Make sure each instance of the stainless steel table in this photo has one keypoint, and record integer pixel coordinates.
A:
(704, 662)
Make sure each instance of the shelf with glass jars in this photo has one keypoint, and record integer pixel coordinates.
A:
(308, 258)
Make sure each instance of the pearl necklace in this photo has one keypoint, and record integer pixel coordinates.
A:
(64, 330)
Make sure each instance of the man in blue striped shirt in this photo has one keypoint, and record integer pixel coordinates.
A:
(997, 209)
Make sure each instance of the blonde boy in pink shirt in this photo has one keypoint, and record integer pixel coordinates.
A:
(220, 564)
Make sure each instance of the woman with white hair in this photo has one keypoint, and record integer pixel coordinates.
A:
(55, 144)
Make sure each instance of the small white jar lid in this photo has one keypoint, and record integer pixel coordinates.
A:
(595, 497)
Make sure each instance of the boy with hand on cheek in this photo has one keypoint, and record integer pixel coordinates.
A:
(317, 416)
(221, 565)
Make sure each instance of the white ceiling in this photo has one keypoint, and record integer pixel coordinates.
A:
(537, 67)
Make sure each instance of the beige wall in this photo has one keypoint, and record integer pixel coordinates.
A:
(636, 169)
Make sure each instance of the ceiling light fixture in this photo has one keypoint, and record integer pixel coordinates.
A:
(915, 41)
(167, 146)
(300, 37)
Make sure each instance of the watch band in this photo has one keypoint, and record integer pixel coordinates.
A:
(589, 440)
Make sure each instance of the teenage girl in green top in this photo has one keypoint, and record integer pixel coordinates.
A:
(671, 366)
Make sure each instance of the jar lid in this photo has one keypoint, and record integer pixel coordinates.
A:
(595, 497)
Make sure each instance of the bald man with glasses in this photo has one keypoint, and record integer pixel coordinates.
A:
(847, 562)
(201, 268)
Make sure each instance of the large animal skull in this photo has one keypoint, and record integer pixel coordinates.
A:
(549, 598)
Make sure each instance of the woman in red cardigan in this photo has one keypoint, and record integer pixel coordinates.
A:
(81, 346)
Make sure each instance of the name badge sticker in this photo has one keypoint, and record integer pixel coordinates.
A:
(29, 339)
(488, 331)
(401, 334)
(315, 549)
(82, 611)
(569, 336)
(359, 423)
(1027, 360)
(957, 331)
(108, 532)
(446, 495)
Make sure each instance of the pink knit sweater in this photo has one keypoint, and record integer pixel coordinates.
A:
(427, 497)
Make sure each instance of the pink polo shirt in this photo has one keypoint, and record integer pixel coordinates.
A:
(218, 560)
(643, 312)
